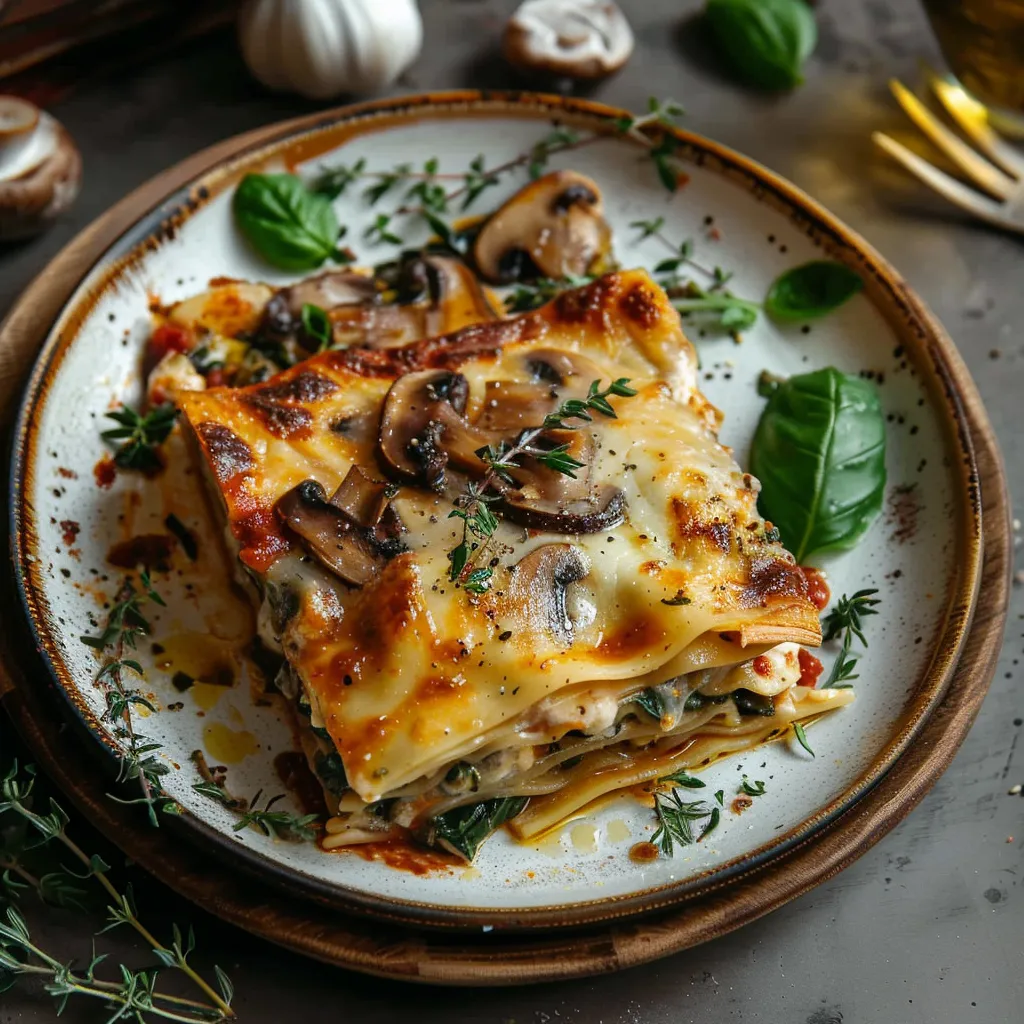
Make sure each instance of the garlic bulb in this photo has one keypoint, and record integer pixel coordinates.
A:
(323, 48)
(40, 169)
(583, 39)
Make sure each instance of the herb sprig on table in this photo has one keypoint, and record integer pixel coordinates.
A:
(34, 848)
(472, 506)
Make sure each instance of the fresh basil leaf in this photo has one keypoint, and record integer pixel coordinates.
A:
(765, 41)
(819, 452)
(811, 290)
(317, 325)
(288, 225)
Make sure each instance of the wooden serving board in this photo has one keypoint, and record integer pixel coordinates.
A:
(495, 958)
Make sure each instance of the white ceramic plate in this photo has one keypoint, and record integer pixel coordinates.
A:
(922, 554)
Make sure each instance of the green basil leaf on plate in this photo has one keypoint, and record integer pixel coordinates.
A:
(765, 41)
(819, 452)
(287, 224)
(811, 290)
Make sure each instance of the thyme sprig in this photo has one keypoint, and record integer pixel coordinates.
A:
(135, 995)
(140, 435)
(845, 619)
(478, 521)
(676, 818)
(713, 304)
(276, 824)
(422, 192)
(125, 624)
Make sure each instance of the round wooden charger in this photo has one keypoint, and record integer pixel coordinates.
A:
(495, 958)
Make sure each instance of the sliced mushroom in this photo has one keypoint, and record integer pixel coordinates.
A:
(585, 39)
(538, 587)
(282, 318)
(422, 427)
(554, 227)
(511, 406)
(361, 499)
(418, 296)
(329, 535)
(603, 510)
(444, 290)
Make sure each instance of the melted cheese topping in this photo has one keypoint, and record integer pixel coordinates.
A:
(410, 673)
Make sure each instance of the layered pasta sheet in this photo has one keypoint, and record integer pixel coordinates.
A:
(639, 615)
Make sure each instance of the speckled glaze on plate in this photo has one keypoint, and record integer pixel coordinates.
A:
(923, 554)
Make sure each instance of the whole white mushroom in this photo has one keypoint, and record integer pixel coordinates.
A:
(583, 39)
(40, 169)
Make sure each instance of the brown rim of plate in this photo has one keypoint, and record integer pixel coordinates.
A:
(143, 220)
(386, 950)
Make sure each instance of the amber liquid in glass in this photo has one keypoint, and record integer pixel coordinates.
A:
(983, 41)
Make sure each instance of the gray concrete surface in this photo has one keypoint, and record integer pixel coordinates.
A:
(927, 928)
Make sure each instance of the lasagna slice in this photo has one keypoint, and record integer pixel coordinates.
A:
(610, 619)
(239, 332)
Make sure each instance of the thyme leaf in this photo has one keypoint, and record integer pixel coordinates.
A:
(801, 737)
(681, 778)
(755, 788)
(317, 325)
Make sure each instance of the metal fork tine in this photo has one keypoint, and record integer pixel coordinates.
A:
(972, 118)
(975, 167)
(956, 192)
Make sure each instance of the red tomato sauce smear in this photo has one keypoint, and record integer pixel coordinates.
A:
(810, 669)
(817, 589)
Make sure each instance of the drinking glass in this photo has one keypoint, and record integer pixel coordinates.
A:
(983, 43)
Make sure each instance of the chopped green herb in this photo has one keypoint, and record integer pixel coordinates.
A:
(317, 325)
(186, 538)
(140, 436)
(681, 778)
(802, 738)
(755, 788)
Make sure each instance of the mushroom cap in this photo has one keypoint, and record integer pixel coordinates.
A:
(584, 39)
(553, 227)
(30, 199)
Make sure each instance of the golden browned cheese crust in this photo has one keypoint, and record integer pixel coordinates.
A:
(409, 671)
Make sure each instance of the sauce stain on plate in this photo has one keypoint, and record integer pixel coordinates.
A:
(228, 746)
(198, 658)
(618, 831)
(584, 837)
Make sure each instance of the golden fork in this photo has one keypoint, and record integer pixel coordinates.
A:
(1001, 175)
